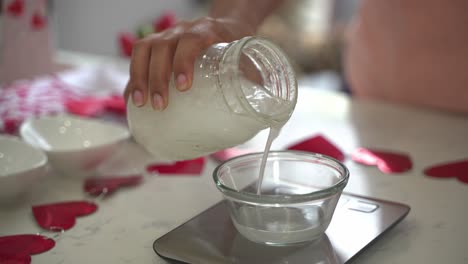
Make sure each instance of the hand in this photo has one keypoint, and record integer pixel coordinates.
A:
(174, 51)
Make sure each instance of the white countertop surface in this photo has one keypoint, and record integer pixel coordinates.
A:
(435, 231)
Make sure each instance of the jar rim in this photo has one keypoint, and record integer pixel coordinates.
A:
(283, 199)
(280, 58)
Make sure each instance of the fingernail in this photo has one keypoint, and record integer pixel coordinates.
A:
(181, 82)
(158, 103)
(137, 98)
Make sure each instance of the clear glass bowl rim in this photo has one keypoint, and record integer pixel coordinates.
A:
(283, 199)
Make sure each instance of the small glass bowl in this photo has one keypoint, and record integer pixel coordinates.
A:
(297, 197)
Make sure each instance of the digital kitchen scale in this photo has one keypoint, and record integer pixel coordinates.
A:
(210, 237)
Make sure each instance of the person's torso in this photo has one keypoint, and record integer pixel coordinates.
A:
(399, 50)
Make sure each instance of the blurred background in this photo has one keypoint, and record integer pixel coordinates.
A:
(310, 31)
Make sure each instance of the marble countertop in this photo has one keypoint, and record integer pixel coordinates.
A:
(435, 231)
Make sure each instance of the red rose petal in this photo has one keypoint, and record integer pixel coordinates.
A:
(96, 186)
(189, 167)
(16, 8)
(62, 215)
(387, 162)
(319, 144)
(18, 248)
(456, 169)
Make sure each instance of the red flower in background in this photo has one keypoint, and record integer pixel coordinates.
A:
(127, 39)
(15, 8)
(167, 20)
(38, 21)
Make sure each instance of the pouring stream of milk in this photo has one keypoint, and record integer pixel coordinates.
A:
(272, 135)
(264, 101)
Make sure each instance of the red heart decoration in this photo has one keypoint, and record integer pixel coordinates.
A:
(319, 144)
(116, 104)
(88, 106)
(189, 167)
(11, 125)
(229, 153)
(18, 248)
(16, 8)
(164, 22)
(62, 215)
(126, 41)
(38, 21)
(455, 169)
(96, 186)
(92, 106)
(7, 259)
(387, 162)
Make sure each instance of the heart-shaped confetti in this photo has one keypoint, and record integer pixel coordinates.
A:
(108, 185)
(63, 216)
(229, 153)
(386, 162)
(11, 125)
(319, 144)
(92, 106)
(7, 259)
(116, 104)
(38, 21)
(186, 167)
(456, 169)
(85, 107)
(16, 8)
(18, 248)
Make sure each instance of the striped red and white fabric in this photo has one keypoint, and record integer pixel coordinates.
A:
(71, 92)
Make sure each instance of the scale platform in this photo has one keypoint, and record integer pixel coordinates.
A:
(210, 237)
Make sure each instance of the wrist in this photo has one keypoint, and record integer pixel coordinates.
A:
(236, 26)
(237, 12)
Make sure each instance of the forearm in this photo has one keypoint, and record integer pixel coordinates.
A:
(251, 12)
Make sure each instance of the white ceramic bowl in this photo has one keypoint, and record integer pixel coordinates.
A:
(20, 167)
(75, 146)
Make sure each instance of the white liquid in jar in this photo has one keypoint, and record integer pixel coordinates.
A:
(196, 122)
(200, 121)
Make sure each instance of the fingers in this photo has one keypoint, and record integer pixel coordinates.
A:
(156, 57)
(127, 92)
(137, 87)
(189, 47)
(162, 53)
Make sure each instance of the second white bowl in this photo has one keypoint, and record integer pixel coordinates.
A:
(20, 167)
(75, 146)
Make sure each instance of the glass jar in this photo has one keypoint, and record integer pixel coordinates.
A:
(238, 89)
